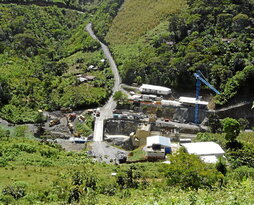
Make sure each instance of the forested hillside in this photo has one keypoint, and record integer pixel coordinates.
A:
(215, 37)
(42, 50)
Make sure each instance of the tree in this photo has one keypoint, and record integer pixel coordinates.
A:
(243, 123)
(119, 96)
(188, 171)
(221, 166)
(231, 127)
(129, 178)
(240, 21)
(214, 123)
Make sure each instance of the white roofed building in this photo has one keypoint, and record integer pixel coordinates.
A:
(207, 151)
(155, 89)
(157, 147)
(170, 103)
(192, 101)
(163, 141)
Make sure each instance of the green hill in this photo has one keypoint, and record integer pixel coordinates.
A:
(136, 17)
(41, 51)
(162, 44)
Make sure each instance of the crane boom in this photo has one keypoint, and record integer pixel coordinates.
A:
(200, 79)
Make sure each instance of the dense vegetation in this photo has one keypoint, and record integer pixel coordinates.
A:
(212, 36)
(42, 51)
(102, 19)
(38, 172)
(80, 5)
(239, 145)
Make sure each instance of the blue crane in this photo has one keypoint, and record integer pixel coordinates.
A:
(198, 75)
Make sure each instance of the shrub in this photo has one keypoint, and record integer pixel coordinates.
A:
(129, 178)
(243, 123)
(25, 147)
(10, 153)
(3, 162)
(231, 127)
(187, 171)
(46, 163)
(108, 189)
(242, 156)
(243, 172)
(20, 131)
(48, 152)
(18, 190)
(7, 199)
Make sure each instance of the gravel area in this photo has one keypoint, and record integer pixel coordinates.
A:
(103, 152)
(71, 146)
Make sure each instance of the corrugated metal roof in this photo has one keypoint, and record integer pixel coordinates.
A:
(165, 141)
(155, 87)
(192, 101)
(203, 148)
(170, 102)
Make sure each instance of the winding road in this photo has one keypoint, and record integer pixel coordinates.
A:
(106, 110)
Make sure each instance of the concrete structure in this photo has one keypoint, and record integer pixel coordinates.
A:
(207, 151)
(170, 103)
(143, 131)
(154, 89)
(192, 101)
(157, 147)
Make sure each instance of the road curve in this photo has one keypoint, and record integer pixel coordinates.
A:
(106, 110)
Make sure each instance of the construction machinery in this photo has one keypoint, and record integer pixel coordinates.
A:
(200, 78)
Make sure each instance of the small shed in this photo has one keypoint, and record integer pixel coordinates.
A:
(157, 147)
(207, 151)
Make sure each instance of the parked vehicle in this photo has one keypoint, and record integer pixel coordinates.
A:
(54, 122)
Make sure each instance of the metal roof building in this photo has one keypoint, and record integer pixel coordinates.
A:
(155, 89)
(159, 140)
(157, 147)
(207, 151)
(188, 100)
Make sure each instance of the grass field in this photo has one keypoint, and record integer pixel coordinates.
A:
(136, 17)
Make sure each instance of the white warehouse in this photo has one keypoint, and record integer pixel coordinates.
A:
(155, 89)
(208, 152)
